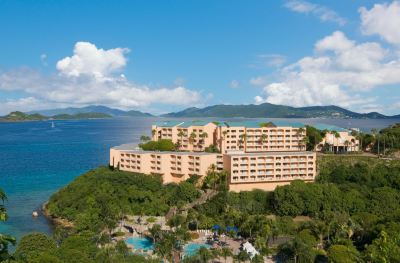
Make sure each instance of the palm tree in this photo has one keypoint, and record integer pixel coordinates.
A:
(205, 255)
(263, 138)
(243, 139)
(337, 136)
(203, 136)
(155, 232)
(192, 137)
(346, 144)
(180, 135)
(153, 132)
(226, 252)
(304, 142)
(299, 133)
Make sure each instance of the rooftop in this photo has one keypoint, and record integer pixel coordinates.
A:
(133, 148)
(247, 124)
(267, 153)
(323, 126)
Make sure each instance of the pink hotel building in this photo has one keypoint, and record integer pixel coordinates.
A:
(256, 155)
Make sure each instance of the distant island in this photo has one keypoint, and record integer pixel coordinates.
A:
(265, 110)
(268, 110)
(92, 109)
(20, 116)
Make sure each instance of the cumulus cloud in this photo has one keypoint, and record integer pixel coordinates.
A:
(383, 20)
(89, 60)
(339, 72)
(88, 77)
(322, 12)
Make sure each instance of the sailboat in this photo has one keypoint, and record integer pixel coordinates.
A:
(53, 125)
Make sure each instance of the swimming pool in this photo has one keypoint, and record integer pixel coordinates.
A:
(191, 248)
(140, 243)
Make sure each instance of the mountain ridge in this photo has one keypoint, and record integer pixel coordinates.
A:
(91, 109)
(268, 110)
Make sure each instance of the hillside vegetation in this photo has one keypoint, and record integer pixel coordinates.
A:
(354, 208)
(268, 110)
(20, 116)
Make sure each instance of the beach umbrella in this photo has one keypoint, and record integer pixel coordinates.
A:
(216, 227)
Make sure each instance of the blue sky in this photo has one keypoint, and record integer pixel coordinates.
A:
(161, 56)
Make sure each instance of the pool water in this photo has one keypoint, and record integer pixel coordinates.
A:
(192, 248)
(140, 243)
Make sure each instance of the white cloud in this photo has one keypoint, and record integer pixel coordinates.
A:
(383, 20)
(322, 12)
(89, 60)
(234, 84)
(339, 73)
(268, 61)
(87, 78)
(43, 59)
(258, 100)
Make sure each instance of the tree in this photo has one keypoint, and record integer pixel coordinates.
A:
(301, 249)
(5, 240)
(263, 138)
(155, 232)
(343, 254)
(384, 249)
(203, 136)
(144, 138)
(300, 132)
(337, 136)
(180, 135)
(242, 139)
(226, 252)
(192, 137)
(243, 256)
(32, 246)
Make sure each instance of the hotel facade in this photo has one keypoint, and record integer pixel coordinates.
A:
(256, 155)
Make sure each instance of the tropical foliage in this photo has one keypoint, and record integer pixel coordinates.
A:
(97, 199)
(160, 145)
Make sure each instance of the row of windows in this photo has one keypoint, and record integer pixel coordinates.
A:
(277, 177)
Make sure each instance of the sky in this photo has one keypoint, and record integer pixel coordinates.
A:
(163, 56)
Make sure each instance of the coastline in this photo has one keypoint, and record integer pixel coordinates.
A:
(56, 221)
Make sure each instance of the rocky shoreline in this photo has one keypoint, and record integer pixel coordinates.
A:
(56, 220)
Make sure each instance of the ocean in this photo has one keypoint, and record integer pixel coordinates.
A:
(37, 159)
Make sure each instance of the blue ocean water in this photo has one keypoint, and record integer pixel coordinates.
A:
(36, 160)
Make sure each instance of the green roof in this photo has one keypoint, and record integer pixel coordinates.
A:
(257, 124)
(248, 124)
(187, 124)
(323, 126)
(167, 123)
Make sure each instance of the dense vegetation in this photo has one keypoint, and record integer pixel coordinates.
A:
(351, 214)
(20, 116)
(354, 211)
(160, 145)
(97, 199)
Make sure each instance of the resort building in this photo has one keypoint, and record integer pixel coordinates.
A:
(256, 155)
(337, 140)
(260, 137)
(188, 135)
(266, 171)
